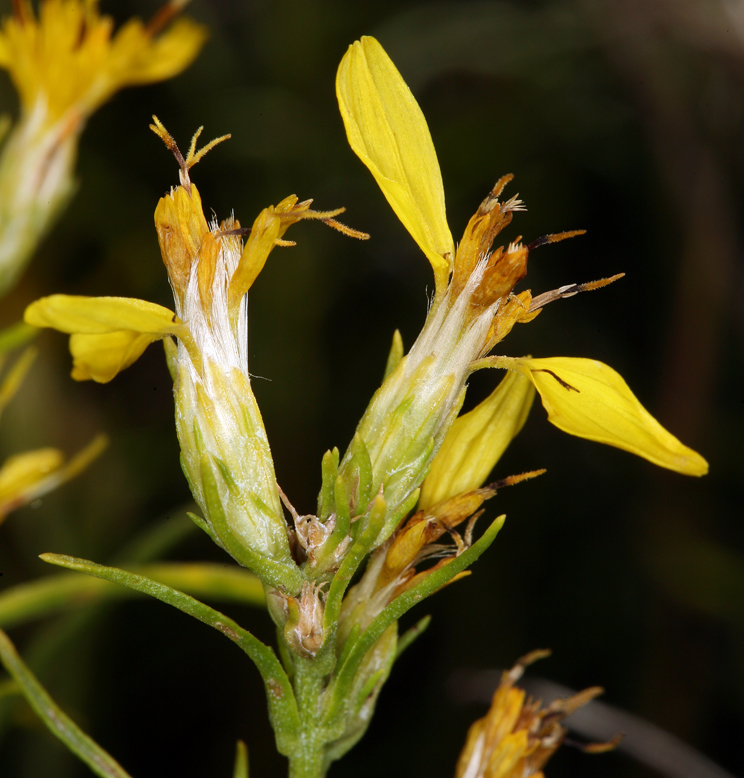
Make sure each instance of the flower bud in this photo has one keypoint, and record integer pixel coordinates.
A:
(225, 453)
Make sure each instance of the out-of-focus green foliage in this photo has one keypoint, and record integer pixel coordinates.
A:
(622, 118)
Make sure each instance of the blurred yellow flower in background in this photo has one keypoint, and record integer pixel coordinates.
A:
(26, 477)
(65, 63)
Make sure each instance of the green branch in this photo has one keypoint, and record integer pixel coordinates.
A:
(282, 704)
(59, 593)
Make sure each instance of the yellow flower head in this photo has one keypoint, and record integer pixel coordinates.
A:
(65, 64)
(71, 58)
(517, 736)
(474, 307)
(225, 451)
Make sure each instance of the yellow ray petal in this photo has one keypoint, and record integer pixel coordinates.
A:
(93, 315)
(477, 439)
(22, 471)
(11, 383)
(25, 477)
(101, 357)
(388, 131)
(137, 58)
(266, 230)
(587, 398)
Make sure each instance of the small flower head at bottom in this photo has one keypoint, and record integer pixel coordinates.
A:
(517, 736)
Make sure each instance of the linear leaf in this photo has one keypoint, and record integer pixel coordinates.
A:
(58, 722)
(282, 704)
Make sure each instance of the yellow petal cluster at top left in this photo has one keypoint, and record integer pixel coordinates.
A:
(71, 56)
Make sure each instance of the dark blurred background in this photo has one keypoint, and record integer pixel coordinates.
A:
(622, 117)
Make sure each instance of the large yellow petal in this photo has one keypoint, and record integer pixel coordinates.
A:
(476, 441)
(388, 131)
(95, 315)
(101, 357)
(587, 398)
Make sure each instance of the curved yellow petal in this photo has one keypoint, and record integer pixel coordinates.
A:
(476, 441)
(266, 230)
(23, 471)
(138, 58)
(101, 357)
(24, 477)
(95, 315)
(388, 131)
(587, 398)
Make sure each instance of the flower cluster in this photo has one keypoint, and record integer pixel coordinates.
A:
(415, 470)
(225, 451)
(65, 64)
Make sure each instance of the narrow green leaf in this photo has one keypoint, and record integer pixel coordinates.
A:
(369, 686)
(17, 335)
(342, 501)
(345, 677)
(350, 641)
(352, 560)
(282, 704)
(329, 470)
(65, 592)
(206, 527)
(241, 761)
(58, 723)
(410, 635)
(356, 471)
(395, 355)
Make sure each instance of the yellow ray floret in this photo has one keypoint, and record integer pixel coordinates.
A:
(26, 477)
(388, 132)
(589, 399)
(108, 333)
(476, 441)
(102, 357)
(97, 315)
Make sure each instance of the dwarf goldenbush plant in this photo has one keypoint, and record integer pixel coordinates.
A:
(396, 513)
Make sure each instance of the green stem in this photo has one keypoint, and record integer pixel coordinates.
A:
(308, 763)
(60, 593)
(308, 757)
